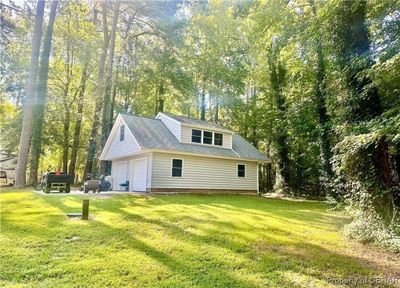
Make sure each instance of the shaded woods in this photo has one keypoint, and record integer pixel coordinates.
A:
(313, 84)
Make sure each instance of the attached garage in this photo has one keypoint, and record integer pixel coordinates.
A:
(119, 172)
(138, 173)
(134, 171)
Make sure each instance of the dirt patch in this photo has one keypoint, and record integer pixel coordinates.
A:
(375, 257)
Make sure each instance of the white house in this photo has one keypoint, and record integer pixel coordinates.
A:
(172, 153)
(8, 163)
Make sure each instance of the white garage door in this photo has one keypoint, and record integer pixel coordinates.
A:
(139, 177)
(121, 174)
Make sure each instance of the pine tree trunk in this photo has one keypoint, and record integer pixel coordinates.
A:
(105, 166)
(109, 79)
(41, 95)
(67, 104)
(79, 115)
(67, 120)
(93, 140)
(114, 95)
(203, 104)
(20, 171)
(216, 115)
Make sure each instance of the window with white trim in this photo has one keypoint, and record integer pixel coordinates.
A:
(218, 139)
(196, 136)
(241, 170)
(177, 165)
(207, 137)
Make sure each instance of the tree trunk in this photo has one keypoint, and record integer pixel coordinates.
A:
(105, 166)
(254, 112)
(320, 98)
(67, 104)
(67, 119)
(160, 99)
(109, 79)
(78, 123)
(114, 95)
(216, 115)
(20, 171)
(203, 103)
(91, 151)
(277, 75)
(41, 95)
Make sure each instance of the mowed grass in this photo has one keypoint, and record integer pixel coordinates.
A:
(173, 241)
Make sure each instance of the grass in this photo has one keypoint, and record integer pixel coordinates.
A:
(174, 241)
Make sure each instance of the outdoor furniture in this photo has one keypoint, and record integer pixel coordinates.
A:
(124, 186)
(93, 185)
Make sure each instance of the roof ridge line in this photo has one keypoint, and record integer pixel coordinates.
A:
(140, 116)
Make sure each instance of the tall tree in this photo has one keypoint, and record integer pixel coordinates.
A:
(370, 164)
(41, 95)
(79, 116)
(277, 78)
(93, 140)
(82, 91)
(321, 103)
(20, 172)
(107, 105)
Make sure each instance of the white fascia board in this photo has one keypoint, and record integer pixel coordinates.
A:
(112, 135)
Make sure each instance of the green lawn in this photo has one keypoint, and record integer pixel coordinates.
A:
(173, 241)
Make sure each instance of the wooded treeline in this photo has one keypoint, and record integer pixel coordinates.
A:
(313, 84)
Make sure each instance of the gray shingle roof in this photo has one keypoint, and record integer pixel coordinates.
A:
(153, 134)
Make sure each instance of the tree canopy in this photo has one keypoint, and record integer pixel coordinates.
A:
(313, 84)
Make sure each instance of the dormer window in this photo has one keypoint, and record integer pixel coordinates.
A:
(121, 132)
(196, 136)
(207, 137)
(218, 139)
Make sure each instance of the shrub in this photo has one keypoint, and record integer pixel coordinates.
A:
(368, 227)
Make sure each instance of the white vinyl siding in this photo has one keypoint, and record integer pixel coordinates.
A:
(202, 173)
(172, 125)
(186, 137)
(119, 149)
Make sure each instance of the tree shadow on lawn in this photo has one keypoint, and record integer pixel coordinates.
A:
(267, 258)
(297, 254)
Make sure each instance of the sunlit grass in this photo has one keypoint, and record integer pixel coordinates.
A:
(172, 241)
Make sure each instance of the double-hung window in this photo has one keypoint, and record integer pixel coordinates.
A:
(207, 137)
(241, 170)
(177, 165)
(218, 139)
(196, 136)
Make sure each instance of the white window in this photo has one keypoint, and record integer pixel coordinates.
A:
(207, 137)
(196, 136)
(241, 171)
(177, 166)
(218, 139)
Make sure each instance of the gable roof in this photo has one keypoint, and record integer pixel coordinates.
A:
(196, 122)
(153, 134)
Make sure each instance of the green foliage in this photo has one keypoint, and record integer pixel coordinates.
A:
(367, 227)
